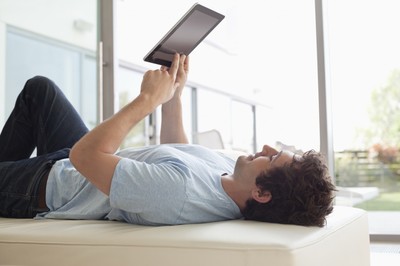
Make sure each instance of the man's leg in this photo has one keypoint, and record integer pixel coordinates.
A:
(42, 118)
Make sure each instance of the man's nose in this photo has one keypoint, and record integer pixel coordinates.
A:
(269, 150)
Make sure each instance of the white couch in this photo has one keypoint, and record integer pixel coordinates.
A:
(343, 241)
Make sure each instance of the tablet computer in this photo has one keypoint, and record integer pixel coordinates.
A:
(187, 33)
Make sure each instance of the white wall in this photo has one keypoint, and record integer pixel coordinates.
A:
(54, 19)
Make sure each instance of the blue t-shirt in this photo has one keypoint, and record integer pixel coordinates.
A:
(155, 185)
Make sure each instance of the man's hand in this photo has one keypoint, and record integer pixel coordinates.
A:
(159, 86)
(182, 74)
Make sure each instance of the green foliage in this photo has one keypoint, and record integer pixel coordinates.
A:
(384, 113)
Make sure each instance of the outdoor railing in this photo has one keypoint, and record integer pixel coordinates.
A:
(364, 168)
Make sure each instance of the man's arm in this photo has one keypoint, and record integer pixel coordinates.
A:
(94, 155)
(172, 130)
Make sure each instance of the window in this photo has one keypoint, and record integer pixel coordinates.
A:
(37, 42)
(242, 128)
(72, 70)
(264, 134)
(214, 112)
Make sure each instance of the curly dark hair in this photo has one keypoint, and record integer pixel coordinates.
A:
(302, 193)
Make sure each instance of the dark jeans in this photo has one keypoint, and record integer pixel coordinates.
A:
(44, 119)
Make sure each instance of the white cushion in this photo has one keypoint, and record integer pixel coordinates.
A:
(344, 241)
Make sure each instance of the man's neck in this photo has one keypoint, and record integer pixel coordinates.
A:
(230, 187)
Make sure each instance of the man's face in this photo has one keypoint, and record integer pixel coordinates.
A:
(249, 167)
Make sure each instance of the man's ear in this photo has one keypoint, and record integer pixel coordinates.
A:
(261, 197)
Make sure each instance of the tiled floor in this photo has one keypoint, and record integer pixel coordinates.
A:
(385, 254)
(384, 225)
(385, 259)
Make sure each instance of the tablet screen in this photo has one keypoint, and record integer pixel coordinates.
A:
(195, 25)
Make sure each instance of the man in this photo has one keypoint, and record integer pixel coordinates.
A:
(80, 175)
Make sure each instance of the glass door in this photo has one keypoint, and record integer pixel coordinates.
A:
(365, 76)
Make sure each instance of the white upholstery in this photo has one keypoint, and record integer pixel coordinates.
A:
(344, 241)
